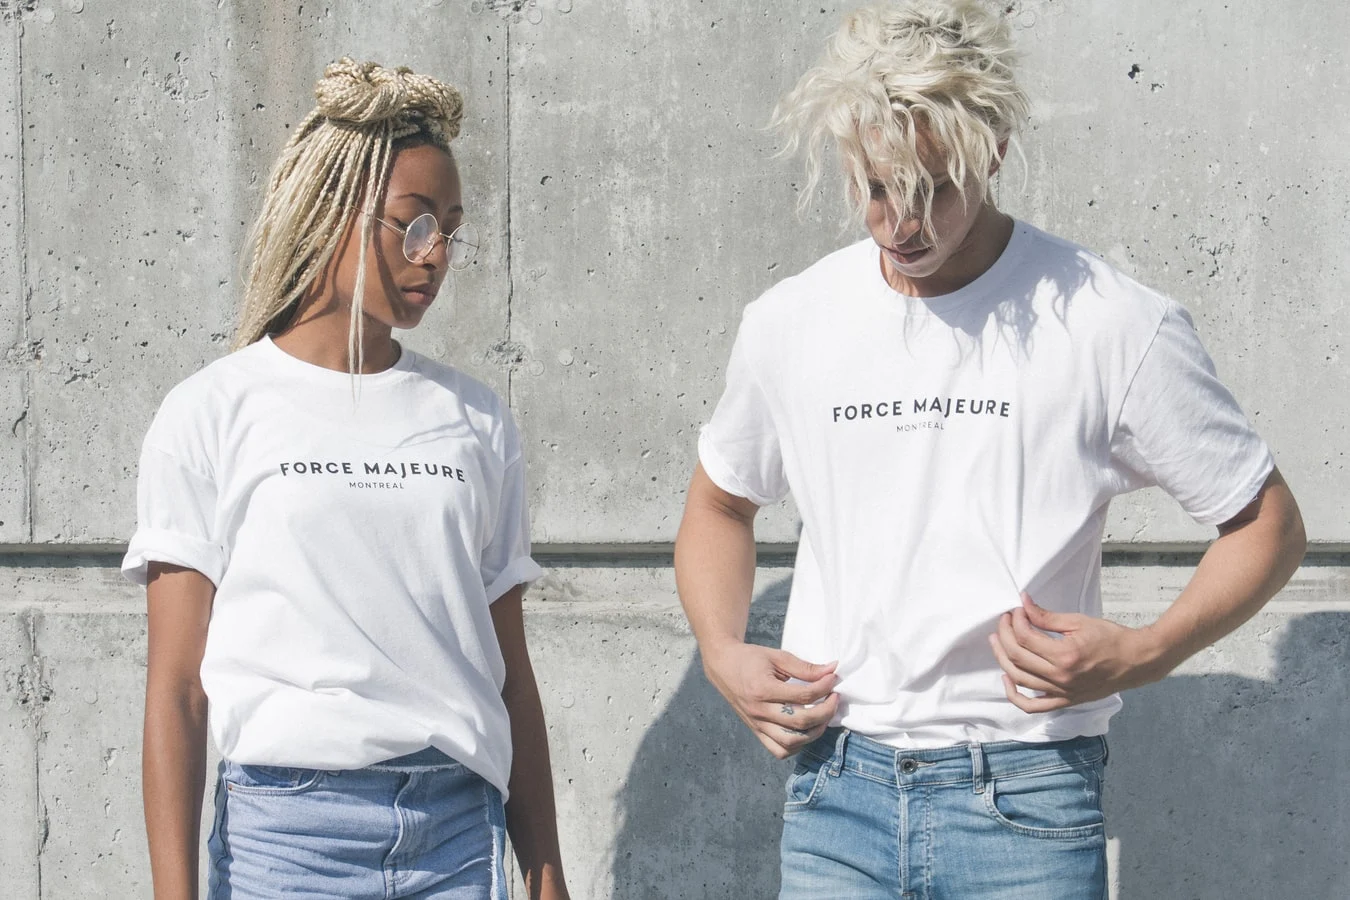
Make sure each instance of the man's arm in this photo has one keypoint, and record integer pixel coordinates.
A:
(715, 574)
(173, 767)
(1255, 554)
(531, 814)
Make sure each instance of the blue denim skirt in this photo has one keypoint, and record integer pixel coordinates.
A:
(999, 821)
(420, 826)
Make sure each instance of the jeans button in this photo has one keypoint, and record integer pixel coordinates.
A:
(908, 766)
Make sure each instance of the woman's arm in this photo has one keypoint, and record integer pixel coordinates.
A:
(531, 817)
(173, 761)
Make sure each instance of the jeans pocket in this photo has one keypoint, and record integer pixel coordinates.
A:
(1058, 804)
(803, 786)
(274, 780)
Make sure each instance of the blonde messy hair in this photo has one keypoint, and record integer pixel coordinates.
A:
(338, 156)
(897, 76)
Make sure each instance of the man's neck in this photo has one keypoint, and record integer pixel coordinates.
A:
(979, 250)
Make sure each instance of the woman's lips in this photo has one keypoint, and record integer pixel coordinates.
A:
(421, 295)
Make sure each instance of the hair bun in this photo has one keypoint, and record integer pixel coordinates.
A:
(367, 93)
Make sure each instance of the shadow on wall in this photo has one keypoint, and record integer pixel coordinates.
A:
(1223, 787)
(1220, 787)
(700, 812)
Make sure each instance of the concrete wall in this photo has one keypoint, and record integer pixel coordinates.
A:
(614, 154)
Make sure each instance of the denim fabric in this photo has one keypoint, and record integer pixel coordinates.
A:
(1003, 821)
(421, 826)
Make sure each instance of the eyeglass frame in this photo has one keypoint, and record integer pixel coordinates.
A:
(448, 239)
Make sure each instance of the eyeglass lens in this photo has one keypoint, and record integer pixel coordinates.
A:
(421, 236)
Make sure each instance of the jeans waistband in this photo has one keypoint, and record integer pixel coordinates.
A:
(425, 760)
(842, 750)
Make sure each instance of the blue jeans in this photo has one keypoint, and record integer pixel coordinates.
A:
(420, 826)
(1003, 821)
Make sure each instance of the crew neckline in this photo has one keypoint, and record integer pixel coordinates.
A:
(1007, 260)
(403, 366)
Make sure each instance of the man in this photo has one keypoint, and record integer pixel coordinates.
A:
(952, 403)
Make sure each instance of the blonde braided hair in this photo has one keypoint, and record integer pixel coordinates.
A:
(338, 155)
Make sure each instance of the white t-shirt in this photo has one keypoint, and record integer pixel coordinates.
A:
(948, 453)
(356, 533)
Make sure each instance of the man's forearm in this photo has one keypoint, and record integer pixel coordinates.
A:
(715, 573)
(1241, 571)
(1071, 658)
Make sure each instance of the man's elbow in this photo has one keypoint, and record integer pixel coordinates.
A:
(1295, 537)
(1287, 522)
(705, 497)
(1274, 516)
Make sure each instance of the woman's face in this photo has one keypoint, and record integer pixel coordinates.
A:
(422, 179)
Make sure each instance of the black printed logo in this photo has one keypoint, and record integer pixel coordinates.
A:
(392, 476)
(935, 411)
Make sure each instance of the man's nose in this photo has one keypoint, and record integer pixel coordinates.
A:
(905, 228)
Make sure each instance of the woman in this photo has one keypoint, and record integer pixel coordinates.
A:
(334, 542)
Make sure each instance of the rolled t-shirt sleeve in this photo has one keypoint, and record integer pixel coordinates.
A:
(506, 560)
(739, 447)
(175, 519)
(1181, 429)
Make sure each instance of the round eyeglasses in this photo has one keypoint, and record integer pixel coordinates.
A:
(419, 239)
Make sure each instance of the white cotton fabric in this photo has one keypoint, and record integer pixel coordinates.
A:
(356, 530)
(948, 453)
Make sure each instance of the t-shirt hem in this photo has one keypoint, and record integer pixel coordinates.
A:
(521, 570)
(158, 545)
(1063, 725)
(1240, 498)
(722, 474)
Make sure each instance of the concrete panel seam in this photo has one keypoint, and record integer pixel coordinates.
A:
(26, 351)
(34, 691)
(506, 143)
(656, 554)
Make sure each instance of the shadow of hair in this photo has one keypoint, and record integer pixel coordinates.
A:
(1056, 275)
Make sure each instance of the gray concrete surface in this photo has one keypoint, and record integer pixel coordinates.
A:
(142, 159)
(25, 830)
(1227, 780)
(615, 158)
(1190, 147)
(14, 515)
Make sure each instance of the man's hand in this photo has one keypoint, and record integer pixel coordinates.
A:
(753, 679)
(1082, 659)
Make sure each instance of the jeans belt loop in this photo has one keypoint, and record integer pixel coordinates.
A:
(977, 767)
(837, 757)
